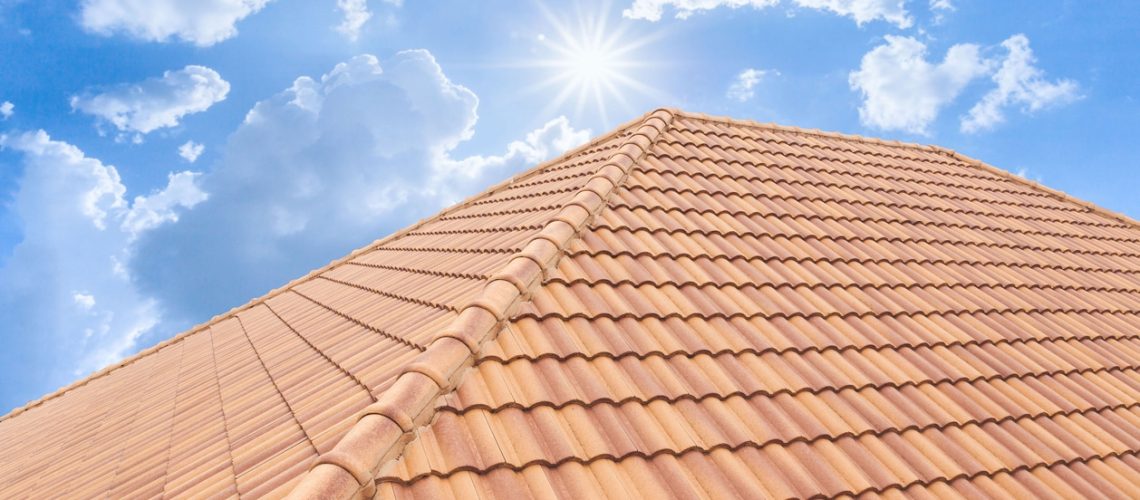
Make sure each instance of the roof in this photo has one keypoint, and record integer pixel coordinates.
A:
(688, 306)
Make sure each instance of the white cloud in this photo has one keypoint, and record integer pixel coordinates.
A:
(940, 8)
(1025, 173)
(76, 226)
(85, 301)
(96, 190)
(325, 166)
(543, 143)
(201, 22)
(902, 91)
(190, 151)
(652, 10)
(862, 11)
(7, 109)
(162, 206)
(156, 102)
(1019, 82)
(356, 13)
(743, 87)
(944, 5)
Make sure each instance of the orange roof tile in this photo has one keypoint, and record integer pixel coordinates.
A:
(689, 306)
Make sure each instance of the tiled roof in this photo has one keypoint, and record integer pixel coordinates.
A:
(689, 306)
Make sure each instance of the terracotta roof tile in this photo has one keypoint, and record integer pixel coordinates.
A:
(689, 307)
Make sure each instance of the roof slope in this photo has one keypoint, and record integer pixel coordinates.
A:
(690, 306)
(245, 403)
(767, 312)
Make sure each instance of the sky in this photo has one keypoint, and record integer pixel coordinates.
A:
(162, 161)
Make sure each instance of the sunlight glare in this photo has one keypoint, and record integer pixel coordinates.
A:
(591, 63)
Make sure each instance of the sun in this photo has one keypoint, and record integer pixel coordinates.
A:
(592, 63)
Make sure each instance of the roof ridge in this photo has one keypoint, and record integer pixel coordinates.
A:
(1053, 193)
(232, 312)
(814, 132)
(386, 426)
(978, 164)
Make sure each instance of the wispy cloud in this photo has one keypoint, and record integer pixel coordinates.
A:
(356, 13)
(861, 11)
(743, 87)
(652, 10)
(943, 5)
(940, 8)
(864, 11)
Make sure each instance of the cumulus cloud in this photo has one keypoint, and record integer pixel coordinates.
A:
(861, 11)
(743, 87)
(7, 109)
(903, 91)
(69, 304)
(190, 151)
(156, 102)
(162, 206)
(1019, 83)
(325, 166)
(552, 138)
(200, 22)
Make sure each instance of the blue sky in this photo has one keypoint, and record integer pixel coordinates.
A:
(164, 160)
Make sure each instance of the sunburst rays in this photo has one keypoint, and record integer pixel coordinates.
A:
(592, 62)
